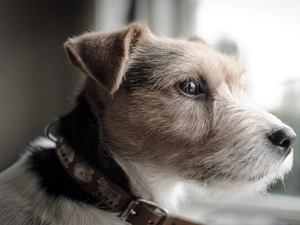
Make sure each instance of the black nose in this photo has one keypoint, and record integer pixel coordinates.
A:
(284, 139)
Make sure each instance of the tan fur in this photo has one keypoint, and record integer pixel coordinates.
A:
(221, 138)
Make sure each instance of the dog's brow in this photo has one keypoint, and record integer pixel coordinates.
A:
(152, 65)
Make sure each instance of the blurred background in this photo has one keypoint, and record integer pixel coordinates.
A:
(37, 83)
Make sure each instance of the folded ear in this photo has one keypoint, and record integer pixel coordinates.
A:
(103, 56)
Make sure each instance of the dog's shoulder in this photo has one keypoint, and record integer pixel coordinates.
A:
(18, 187)
(27, 197)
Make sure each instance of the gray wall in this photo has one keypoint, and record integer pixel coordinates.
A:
(172, 18)
(36, 81)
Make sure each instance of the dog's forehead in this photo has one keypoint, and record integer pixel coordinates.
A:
(167, 61)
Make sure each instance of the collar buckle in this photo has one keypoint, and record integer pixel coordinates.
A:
(130, 210)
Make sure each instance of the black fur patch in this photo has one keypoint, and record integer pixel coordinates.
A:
(53, 176)
(146, 63)
(81, 131)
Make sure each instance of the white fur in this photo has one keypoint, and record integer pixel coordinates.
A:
(43, 142)
(227, 191)
(254, 124)
(149, 182)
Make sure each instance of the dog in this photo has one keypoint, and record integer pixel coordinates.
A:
(153, 114)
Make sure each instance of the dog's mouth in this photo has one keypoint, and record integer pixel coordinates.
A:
(252, 171)
(284, 167)
(289, 151)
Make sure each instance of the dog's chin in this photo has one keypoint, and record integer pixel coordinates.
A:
(287, 164)
(228, 190)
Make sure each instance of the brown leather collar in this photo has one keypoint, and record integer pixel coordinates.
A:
(131, 210)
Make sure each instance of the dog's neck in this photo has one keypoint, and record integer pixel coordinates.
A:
(151, 183)
(80, 129)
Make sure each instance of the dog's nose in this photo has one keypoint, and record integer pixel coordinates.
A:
(284, 139)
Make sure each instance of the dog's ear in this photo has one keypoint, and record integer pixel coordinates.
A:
(103, 56)
(196, 39)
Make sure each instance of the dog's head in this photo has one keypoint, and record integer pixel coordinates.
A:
(180, 106)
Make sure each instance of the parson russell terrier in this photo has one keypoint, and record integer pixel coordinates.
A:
(152, 115)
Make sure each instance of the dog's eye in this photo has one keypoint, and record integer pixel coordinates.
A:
(191, 88)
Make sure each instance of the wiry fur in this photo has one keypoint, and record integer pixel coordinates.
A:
(160, 138)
